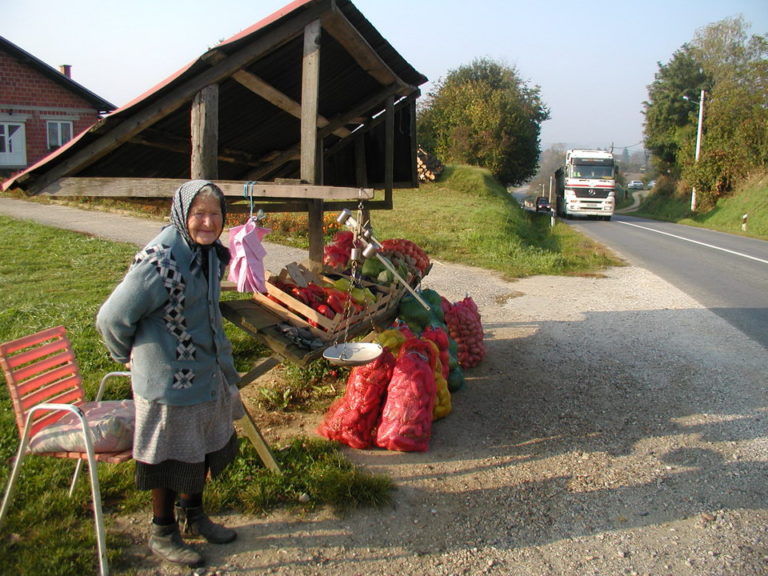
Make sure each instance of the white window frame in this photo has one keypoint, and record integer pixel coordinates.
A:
(58, 138)
(13, 148)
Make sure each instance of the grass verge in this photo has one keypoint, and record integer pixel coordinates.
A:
(726, 216)
(468, 218)
(50, 277)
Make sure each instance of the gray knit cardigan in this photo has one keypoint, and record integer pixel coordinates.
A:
(164, 317)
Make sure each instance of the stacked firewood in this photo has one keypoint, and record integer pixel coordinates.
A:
(427, 166)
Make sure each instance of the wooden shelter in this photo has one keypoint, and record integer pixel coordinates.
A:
(309, 109)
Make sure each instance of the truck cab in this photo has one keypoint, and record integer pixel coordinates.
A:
(586, 184)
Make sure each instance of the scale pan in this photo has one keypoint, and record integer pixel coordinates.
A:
(352, 353)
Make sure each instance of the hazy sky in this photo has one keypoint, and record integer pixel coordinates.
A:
(592, 60)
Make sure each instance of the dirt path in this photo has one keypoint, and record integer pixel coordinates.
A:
(615, 427)
(637, 197)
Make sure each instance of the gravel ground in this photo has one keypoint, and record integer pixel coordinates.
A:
(615, 427)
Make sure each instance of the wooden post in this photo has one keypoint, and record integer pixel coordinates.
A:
(204, 123)
(310, 81)
(389, 146)
(361, 173)
(414, 139)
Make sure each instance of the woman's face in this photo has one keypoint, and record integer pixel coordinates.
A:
(205, 221)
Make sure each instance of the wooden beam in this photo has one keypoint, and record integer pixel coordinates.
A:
(310, 82)
(389, 146)
(252, 432)
(369, 124)
(165, 188)
(265, 90)
(413, 138)
(310, 91)
(360, 110)
(161, 141)
(274, 96)
(204, 129)
(337, 25)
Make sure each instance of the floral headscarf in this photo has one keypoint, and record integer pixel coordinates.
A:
(182, 201)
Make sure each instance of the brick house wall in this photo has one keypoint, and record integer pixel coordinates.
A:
(33, 93)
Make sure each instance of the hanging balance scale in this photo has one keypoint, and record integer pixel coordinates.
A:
(359, 353)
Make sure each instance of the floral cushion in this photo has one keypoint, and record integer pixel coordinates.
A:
(111, 423)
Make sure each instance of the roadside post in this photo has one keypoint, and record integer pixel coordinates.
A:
(551, 204)
(744, 222)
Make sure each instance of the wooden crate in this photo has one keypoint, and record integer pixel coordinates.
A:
(299, 314)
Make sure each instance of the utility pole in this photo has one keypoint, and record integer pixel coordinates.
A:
(698, 146)
(551, 204)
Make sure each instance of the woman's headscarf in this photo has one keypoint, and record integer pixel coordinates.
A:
(182, 201)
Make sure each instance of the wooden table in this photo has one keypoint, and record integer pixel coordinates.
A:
(262, 324)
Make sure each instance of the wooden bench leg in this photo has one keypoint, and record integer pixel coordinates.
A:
(247, 423)
(253, 433)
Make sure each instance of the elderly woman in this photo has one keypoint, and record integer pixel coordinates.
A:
(163, 320)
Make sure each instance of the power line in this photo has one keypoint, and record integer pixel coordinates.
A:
(631, 146)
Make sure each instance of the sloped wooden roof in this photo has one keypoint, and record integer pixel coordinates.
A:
(259, 78)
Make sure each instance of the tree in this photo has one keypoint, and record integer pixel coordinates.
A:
(736, 125)
(485, 115)
(671, 108)
(550, 160)
(625, 158)
(732, 68)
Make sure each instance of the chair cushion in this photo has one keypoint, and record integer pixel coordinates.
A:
(111, 422)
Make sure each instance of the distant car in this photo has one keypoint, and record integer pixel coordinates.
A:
(635, 185)
(651, 184)
(542, 204)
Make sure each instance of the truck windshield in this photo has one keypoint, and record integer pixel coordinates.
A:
(591, 171)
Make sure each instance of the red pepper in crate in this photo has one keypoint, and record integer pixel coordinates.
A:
(314, 294)
(337, 299)
(334, 301)
(326, 311)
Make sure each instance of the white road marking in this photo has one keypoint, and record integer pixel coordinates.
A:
(695, 242)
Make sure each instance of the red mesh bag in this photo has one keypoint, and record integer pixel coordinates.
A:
(352, 418)
(466, 328)
(336, 253)
(439, 336)
(406, 419)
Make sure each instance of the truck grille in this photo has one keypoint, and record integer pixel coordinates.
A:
(591, 193)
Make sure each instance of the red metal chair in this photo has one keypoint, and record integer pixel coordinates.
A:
(48, 396)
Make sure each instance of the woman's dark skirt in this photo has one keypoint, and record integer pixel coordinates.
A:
(185, 477)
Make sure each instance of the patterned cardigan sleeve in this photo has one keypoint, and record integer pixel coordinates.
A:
(139, 294)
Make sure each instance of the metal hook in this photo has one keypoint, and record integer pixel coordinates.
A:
(248, 193)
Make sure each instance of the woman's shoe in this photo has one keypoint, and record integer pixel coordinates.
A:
(195, 522)
(166, 542)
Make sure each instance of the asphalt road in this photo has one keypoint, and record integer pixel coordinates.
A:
(724, 272)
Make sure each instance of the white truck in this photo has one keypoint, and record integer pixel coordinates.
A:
(586, 184)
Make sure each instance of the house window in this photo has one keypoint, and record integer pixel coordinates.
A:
(13, 145)
(59, 132)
